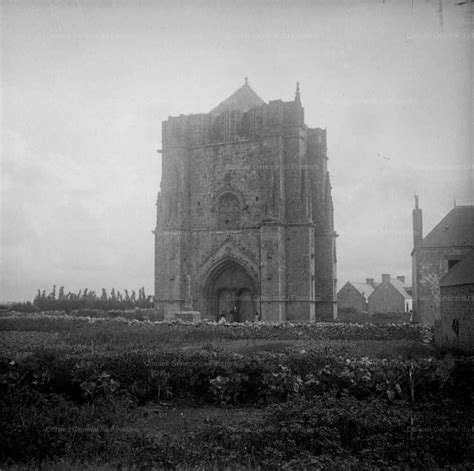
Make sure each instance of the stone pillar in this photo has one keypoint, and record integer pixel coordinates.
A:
(300, 304)
(272, 272)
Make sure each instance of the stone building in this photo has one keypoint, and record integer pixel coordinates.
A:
(245, 214)
(354, 295)
(450, 241)
(455, 328)
(390, 296)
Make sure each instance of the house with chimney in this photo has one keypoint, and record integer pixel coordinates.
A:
(354, 295)
(434, 255)
(390, 296)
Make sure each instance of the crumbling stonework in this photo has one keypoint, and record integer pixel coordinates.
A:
(450, 241)
(245, 210)
(455, 328)
(431, 266)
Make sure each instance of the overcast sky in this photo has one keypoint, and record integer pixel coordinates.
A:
(86, 85)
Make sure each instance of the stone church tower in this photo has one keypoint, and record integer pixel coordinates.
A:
(245, 214)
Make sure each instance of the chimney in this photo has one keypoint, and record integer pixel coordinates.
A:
(417, 224)
(401, 278)
(369, 281)
(386, 278)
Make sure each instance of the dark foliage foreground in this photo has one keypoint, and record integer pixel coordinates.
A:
(300, 433)
(327, 431)
(229, 378)
(317, 411)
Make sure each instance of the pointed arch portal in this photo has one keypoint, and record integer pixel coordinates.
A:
(230, 291)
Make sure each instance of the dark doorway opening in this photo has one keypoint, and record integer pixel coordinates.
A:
(230, 293)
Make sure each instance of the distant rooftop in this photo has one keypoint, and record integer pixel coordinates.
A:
(461, 274)
(456, 229)
(400, 287)
(241, 100)
(363, 288)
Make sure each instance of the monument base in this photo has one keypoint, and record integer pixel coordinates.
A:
(189, 316)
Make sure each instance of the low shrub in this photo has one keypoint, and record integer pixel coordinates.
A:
(223, 378)
(19, 307)
(207, 330)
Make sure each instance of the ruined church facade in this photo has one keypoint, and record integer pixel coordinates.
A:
(245, 215)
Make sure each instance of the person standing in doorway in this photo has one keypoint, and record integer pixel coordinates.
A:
(234, 314)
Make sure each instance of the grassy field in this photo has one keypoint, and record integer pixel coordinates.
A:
(81, 393)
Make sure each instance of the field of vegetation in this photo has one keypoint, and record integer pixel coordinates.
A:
(105, 393)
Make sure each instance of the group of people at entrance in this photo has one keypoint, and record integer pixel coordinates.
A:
(233, 316)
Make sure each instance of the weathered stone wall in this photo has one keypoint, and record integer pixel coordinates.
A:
(300, 273)
(430, 265)
(273, 275)
(322, 215)
(274, 170)
(455, 328)
(325, 276)
(377, 318)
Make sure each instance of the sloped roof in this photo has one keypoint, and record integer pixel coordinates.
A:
(400, 287)
(461, 274)
(456, 229)
(242, 100)
(363, 288)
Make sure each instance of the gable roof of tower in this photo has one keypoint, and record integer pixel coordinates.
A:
(461, 274)
(456, 229)
(241, 100)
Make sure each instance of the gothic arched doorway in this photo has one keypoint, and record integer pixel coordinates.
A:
(229, 291)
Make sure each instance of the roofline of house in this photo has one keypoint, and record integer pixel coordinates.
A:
(471, 247)
(455, 284)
